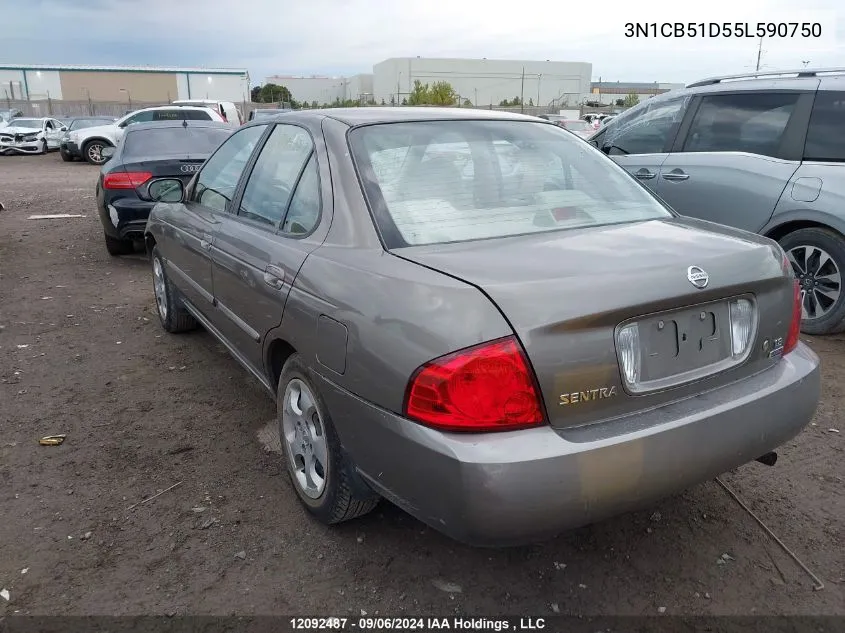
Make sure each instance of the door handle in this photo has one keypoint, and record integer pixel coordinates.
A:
(205, 242)
(275, 277)
(645, 174)
(676, 175)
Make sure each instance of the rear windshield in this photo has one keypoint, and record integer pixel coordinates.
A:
(173, 141)
(80, 124)
(450, 181)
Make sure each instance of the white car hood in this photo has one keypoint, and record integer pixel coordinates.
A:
(108, 131)
(10, 129)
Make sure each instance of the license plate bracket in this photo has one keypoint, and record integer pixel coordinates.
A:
(683, 341)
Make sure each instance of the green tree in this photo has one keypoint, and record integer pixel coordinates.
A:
(531, 102)
(255, 94)
(392, 100)
(420, 94)
(274, 93)
(314, 104)
(382, 102)
(404, 101)
(620, 102)
(631, 100)
(467, 103)
(441, 93)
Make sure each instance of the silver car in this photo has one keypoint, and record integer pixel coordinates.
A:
(764, 152)
(504, 358)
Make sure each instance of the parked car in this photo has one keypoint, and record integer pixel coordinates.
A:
(607, 118)
(761, 152)
(502, 365)
(8, 115)
(262, 113)
(592, 119)
(147, 153)
(578, 127)
(80, 123)
(31, 135)
(226, 109)
(88, 143)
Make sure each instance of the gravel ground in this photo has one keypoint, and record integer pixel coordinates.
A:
(82, 354)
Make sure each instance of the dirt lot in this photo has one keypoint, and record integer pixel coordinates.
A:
(82, 353)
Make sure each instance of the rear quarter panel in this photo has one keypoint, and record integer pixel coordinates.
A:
(815, 193)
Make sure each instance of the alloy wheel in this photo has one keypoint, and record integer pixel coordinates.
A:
(819, 278)
(305, 438)
(159, 288)
(95, 152)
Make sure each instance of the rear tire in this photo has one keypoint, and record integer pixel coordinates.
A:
(173, 316)
(117, 247)
(339, 494)
(809, 251)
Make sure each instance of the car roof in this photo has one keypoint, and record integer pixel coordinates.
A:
(364, 116)
(157, 125)
(171, 106)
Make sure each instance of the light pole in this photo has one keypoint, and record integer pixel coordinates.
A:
(539, 79)
(128, 96)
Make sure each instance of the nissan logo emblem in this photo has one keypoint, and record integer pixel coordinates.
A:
(190, 168)
(697, 277)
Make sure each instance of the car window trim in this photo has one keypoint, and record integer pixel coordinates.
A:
(191, 188)
(250, 166)
(804, 158)
(302, 236)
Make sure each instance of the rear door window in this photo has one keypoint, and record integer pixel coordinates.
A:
(826, 134)
(751, 122)
(275, 175)
(168, 115)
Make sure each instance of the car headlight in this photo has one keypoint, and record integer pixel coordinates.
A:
(73, 136)
(30, 137)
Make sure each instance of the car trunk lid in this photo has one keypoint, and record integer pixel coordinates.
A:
(567, 293)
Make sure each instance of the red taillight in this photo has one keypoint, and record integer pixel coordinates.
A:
(795, 324)
(126, 179)
(488, 387)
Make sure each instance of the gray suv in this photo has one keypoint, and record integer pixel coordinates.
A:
(762, 152)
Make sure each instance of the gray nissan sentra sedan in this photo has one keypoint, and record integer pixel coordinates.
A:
(480, 318)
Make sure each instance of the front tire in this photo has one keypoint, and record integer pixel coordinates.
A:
(173, 316)
(817, 256)
(321, 472)
(65, 156)
(93, 152)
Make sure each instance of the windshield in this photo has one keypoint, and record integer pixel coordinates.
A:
(35, 124)
(449, 181)
(577, 126)
(174, 141)
(80, 124)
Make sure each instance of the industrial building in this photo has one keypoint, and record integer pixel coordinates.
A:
(486, 81)
(481, 81)
(609, 91)
(122, 83)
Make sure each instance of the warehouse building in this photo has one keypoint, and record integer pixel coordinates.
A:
(122, 83)
(486, 81)
(610, 91)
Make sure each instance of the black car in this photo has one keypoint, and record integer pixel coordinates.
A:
(78, 123)
(147, 153)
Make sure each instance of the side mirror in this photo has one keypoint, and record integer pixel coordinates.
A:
(107, 152)
(167, 190)
(63, 128)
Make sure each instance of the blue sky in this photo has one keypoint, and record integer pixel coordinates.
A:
(338, 37)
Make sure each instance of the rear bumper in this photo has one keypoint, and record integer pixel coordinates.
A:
(125, 218)
(517, 487)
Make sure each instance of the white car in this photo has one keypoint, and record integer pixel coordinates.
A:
(26, 135)
(226, 109)
(88, 143)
